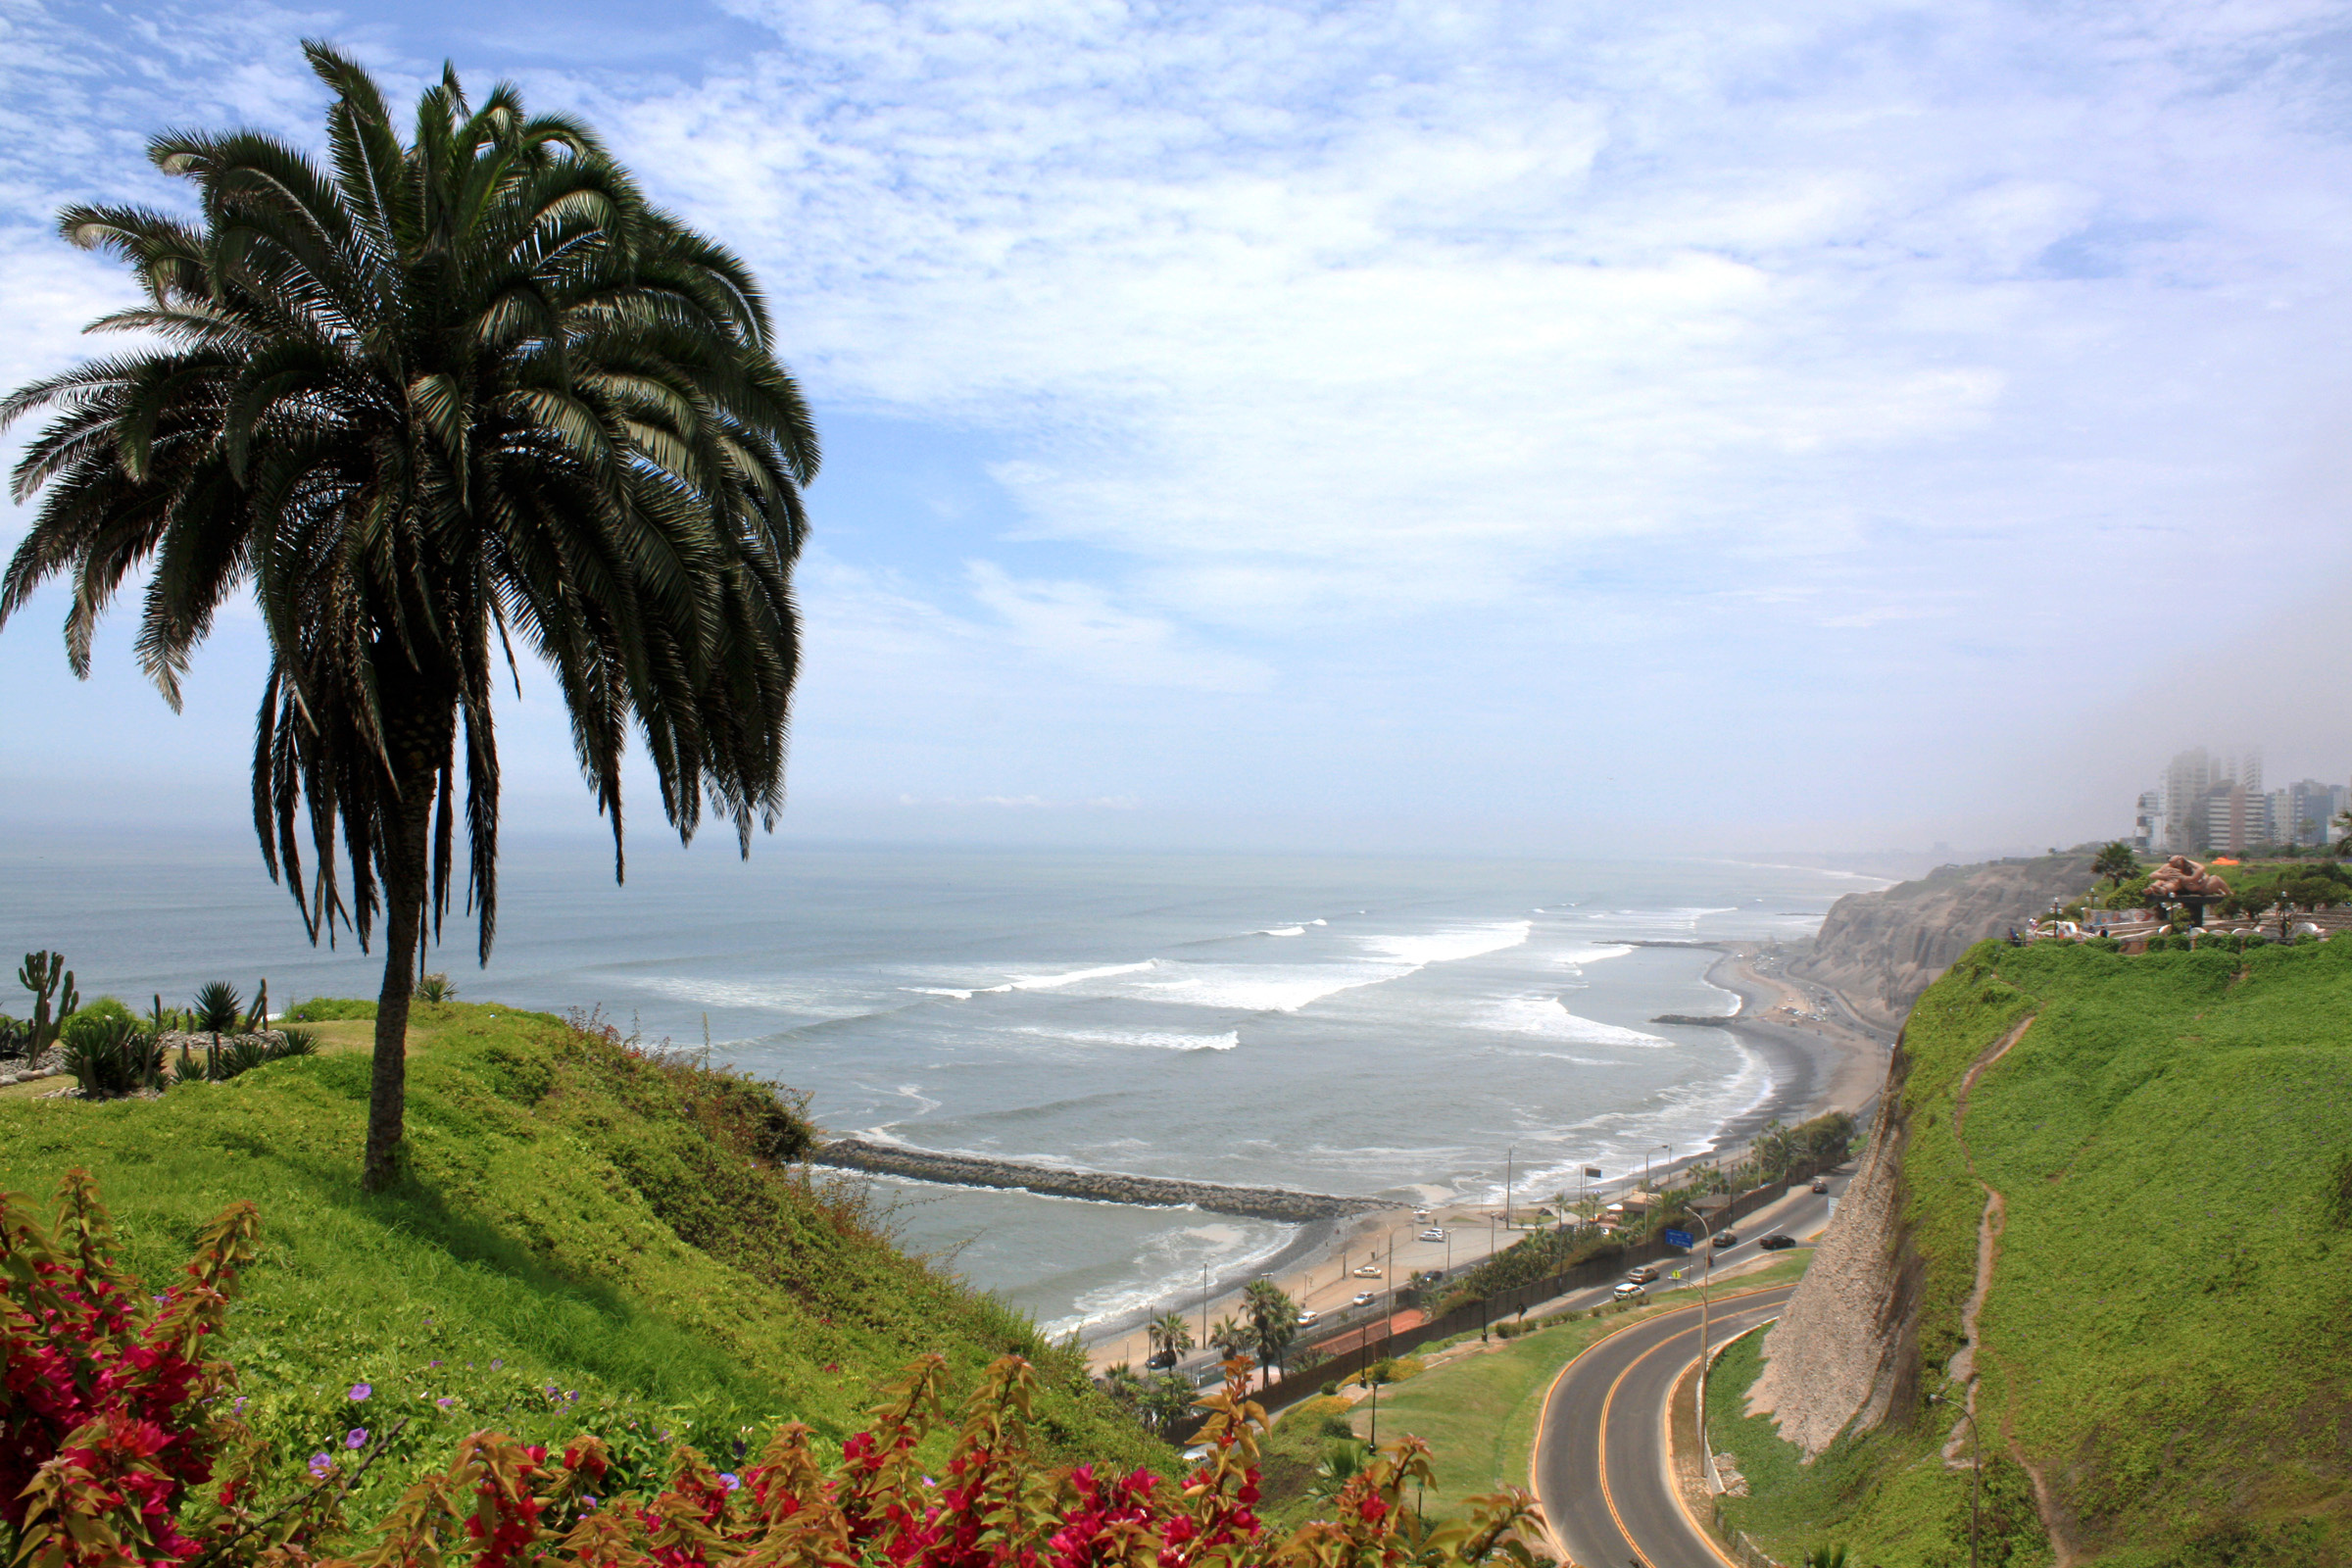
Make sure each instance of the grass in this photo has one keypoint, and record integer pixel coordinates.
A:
(2169, 1332)
(587, 1239)
(1478, 1412)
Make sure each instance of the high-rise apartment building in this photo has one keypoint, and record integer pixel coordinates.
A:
(2301, 812)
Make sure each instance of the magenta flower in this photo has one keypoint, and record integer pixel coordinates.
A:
(361, 1391)
(445, 1401)
(356, 1437)
(320, 1464)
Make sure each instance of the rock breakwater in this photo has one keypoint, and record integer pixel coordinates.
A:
(1103, 1186)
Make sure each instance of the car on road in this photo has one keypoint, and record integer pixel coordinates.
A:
(1308, 1320)
(1433, 1234)
(1630, 1290)
(1773, 1243)
(1727, 1239)
(1420, 1213)
(1821, 1187)
(1641, 1275)
(1364, 1298)
(1370, 1271)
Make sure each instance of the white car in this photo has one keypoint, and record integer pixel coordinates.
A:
(1365, 1299)
(1369, 1271)
(1308, 1320)
(1630, 1290)
(1433, 1234)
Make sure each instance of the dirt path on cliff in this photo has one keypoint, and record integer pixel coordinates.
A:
(1963, 1366)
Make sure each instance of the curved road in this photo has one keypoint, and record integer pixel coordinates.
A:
(1601, 1453)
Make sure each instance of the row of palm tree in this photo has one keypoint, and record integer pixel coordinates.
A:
(443, 396)
(1265, 1331)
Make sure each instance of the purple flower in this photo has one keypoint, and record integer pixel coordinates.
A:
(361, 1391)
(320, 1464)
(432, 1364)
(238, 1408)
(588, 1503)
(445, 1401)
(731, 1481)
(495, 1365)
(354, 1437)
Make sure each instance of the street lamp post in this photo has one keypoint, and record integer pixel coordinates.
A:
(1975, 1470)
(1706, 1290)
(1509, 1165)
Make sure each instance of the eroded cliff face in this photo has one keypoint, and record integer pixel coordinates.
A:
(1846, 1347)
(1882, 948)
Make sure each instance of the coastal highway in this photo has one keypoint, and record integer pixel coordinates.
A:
(1600, 1465)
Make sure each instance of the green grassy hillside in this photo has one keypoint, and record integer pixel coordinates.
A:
(591, 1237)
(2165, 1346)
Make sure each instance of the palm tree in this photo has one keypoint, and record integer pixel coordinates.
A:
(1170, 1338)
(1166, 1401)
(1273, 1320)
(449, 395)
(2117, 864)
(1230, 1339)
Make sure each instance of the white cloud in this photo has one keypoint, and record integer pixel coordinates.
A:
(1485, 379)
(1088, 637)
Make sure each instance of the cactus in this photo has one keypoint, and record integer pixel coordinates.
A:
(259, 1018)
(46, 976)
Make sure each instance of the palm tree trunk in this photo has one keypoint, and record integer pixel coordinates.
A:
(405, 873)
(420, 738)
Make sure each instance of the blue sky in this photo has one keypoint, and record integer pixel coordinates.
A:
(1426, 426)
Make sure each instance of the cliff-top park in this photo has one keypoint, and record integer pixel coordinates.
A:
(902, 784)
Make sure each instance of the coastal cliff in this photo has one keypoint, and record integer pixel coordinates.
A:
(2102, 1238)
(1882, 950)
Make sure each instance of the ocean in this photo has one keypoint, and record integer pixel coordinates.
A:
(1411, 1027)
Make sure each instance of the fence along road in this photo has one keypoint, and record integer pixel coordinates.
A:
(1796, 1212)
(1600, 1466)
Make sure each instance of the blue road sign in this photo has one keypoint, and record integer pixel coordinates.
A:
(1677, 1238)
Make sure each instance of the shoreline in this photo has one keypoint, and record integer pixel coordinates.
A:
(1831, 1065)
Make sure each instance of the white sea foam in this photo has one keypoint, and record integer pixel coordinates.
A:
(1284, 931)
(1547, 1017)
(1452, 944)
(1318, 922)
(939, 991)
(1258, 987)
(1152, 1039)
(809, 1000)
(1054, 982)
(1170, 1268)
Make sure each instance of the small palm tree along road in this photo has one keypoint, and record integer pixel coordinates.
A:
(1600, 1464)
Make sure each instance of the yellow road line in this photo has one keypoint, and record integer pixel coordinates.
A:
(1534, 1454)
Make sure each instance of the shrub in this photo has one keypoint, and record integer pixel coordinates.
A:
(330, 1009)
(248, 1052)
(435, 988)
(111, 1462)
(217, 1007)
(110, 1057)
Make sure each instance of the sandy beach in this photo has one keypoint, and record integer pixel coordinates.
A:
(1821, 1059)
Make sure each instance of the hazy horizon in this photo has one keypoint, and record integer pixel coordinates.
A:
(1404, 429)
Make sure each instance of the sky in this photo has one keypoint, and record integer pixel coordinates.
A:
(1480, 428)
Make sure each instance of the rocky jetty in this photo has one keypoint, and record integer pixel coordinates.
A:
(1708, 1019)
(1106, 1187)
